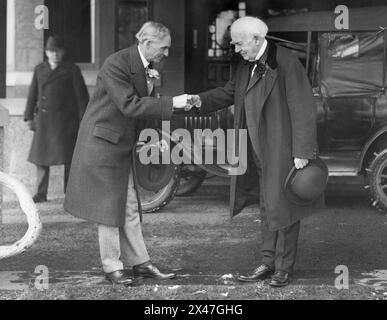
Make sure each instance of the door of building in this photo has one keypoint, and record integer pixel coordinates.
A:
(71, 19)
(130, 16)
(207, 42)
(208, 51)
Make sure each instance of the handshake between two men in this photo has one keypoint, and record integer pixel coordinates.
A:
(186, 102)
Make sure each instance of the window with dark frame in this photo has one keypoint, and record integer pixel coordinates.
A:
(72, 20)
(131, 15)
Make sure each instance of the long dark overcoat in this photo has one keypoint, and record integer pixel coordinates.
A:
(280, 114)
(56, 102)
(98, 183)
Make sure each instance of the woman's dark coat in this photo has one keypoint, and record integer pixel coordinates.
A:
(119, 107)
(280, 114)
(56, 102)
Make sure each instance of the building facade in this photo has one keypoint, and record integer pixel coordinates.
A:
(93, 29)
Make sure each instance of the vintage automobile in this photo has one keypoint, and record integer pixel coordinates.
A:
(347, 70)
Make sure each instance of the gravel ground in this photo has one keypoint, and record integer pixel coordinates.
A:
(195, 237)
(195, 292)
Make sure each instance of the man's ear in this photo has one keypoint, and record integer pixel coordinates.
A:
(258, 40)
(147, 43)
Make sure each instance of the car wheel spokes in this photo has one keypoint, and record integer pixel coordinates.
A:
(382, 180)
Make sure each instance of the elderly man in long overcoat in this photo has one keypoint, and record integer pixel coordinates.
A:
(101, 186)
(274, 101)
(56, 102)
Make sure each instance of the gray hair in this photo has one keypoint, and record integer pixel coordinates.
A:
(250, 25)
(152, 31)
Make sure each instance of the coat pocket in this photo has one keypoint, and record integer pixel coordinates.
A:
(107, 134)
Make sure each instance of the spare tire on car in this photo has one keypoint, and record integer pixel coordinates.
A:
(156, 183)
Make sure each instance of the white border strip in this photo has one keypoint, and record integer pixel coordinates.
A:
(11, 35)
(92, 19)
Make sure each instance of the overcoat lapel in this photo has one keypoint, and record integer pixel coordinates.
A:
(239, 104)
(270, 76)
(267, 83)
(52, 75)
(245, 77)
(45, 73)
(254, 79)
(268, 80)
(138, 71)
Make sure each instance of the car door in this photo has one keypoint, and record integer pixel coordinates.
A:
(351, 76)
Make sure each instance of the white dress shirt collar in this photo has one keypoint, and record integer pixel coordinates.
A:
(262, 50)
(144, 61)
(259, 55)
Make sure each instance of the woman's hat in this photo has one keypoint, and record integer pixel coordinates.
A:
(304, 186)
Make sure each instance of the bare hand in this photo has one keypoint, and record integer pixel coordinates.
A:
(195, 101)
(300, 163)
(180, 102)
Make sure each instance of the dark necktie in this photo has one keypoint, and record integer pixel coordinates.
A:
(260, 69)
(260, 64)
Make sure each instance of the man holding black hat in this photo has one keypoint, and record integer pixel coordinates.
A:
(56, 102)
(274, 101)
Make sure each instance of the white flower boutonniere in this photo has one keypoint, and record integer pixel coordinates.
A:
(153, 73)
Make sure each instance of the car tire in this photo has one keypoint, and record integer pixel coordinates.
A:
(377, 180)
(191, 178)
(153, 201)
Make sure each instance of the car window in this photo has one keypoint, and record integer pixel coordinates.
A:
(351, 63)
(355, 45)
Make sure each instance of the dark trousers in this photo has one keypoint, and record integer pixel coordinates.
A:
(279, 248)
(43, 175)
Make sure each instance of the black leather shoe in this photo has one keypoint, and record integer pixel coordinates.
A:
(151, 271)
(261, 273)
(280, 279)
(119, 277)
(37, 198)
